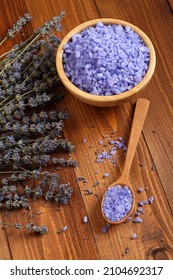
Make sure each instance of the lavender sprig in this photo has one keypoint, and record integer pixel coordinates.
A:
(37, 229)
(31, 227)
(5, 225)
(17, 27)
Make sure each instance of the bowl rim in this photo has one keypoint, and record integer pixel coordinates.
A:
(102, 99)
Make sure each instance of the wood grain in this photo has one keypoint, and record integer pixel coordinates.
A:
(140, 176)
(86, 241)
(159, 91)
(171, 4)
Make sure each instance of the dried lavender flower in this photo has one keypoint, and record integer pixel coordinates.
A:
(17, 27)
(18, 226)
(37, 229)
(4, 225)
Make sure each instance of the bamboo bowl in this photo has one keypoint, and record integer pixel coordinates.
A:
(105, 101)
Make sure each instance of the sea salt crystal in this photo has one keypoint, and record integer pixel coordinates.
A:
(137, 220)
(104, 229)
(106, 175)
(143, 202)
(134, 236)
(85, 219)
(140, 210)
(64, 228)
(84, 140)
(151, 200)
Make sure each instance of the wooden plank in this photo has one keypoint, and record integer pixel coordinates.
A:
(86, 241)
(5, 253)
(76, 12)
(83, 116)
(78, 240)
(9, 12)
(93, 124)
(159, 91)
(74, 243)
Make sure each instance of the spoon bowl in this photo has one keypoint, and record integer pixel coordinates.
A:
(110, 204)
(115, 184)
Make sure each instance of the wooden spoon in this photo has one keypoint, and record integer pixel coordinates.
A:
(140, 114)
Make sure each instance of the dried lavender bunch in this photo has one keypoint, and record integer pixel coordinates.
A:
(45, 29)
(48, 187)
(29, 134)
(29, 82)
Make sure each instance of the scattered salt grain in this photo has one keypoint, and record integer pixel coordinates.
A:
(106, 175)
(143, 202)
(85, 219)
(151, 200)
(65, 228)
(140, 190)
(117, 203)
(140, 210)
(137, 220)
(134, 236)
(60, 230)
(137, 213)
(84, 141)
(104, 229)
(128, 219)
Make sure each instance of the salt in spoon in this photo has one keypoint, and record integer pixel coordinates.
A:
(108, 207)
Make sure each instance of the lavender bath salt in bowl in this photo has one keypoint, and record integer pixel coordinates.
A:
(105, 62)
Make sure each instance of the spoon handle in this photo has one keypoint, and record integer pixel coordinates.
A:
(140, 114)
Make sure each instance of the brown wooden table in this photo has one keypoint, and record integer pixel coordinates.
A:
(152, 165)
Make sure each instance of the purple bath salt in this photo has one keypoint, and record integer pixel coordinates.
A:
(117, 203)
(106, 59)
(85, 219)
(151, 200)
(137, 220)
(84, 141)
(106, 175)
(143, 202)
(140, 210)
(134, 236)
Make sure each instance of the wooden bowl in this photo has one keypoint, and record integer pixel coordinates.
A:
(105, 101)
